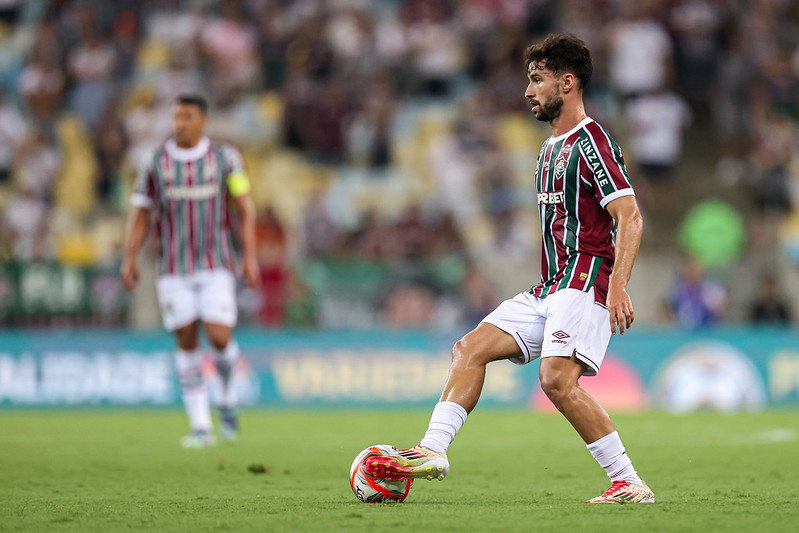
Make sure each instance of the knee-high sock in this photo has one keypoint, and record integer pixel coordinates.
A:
(225, 364)
(609, 452)
(195, 395)
(445, 422)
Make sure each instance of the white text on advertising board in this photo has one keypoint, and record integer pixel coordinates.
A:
(382, 376)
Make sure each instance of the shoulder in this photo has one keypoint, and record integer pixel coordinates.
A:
(594, 135)
(153, 158)
(225, 147)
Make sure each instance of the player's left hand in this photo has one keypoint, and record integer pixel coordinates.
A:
(620, 308)
(251, 273)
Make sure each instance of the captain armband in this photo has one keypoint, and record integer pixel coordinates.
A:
(237, 183)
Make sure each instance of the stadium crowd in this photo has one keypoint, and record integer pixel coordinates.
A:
(388, 143)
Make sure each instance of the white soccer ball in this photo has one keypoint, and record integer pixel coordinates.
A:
(372, 489)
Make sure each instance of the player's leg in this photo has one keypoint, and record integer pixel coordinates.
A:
(559, 381)
(218, 313)
(188, 362)
(575, 339)
(226, 353)
(470, 355)
(179, 311)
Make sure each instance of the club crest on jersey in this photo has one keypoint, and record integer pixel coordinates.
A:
(562, 161)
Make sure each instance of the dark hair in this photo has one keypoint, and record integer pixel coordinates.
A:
(561, 53)
(193, 99)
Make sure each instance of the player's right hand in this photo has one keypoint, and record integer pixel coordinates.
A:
(130, 274)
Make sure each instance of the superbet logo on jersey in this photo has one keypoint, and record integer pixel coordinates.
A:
(550, 197)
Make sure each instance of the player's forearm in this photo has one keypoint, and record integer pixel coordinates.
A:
(628, 239)
(138, 228)
(247, 227)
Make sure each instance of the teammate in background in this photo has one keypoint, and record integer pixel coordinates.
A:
(187, 186)
(585, 199)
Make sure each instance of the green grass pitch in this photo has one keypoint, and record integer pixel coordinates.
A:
(113, 470)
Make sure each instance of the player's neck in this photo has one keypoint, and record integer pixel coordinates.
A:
(188, 144)
(569, 117)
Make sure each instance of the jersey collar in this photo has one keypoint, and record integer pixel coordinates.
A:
(188, 154)
(583, 122)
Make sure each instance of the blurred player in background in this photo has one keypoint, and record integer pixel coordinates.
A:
(591, 226)
(187, 186)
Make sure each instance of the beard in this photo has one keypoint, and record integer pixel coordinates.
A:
(551, 110)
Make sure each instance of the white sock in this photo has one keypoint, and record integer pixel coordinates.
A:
(610, 454)
(195, 395)
(226, 364)
(447, 419)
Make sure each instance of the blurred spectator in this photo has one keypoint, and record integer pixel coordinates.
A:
(413, 233)
(640, 51)
(35, 166)
(112, 143)
(13, 129)
(230, 43)
(657, 121)
(770, 306)
(92, 63)
(435, 47)
(271, 246)
(319, 230)
(771, 165)
(41, 83)
(25, 220)
(369, 132)
(697, 26)
(696, 301)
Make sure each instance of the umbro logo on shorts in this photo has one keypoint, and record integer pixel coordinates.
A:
(560, 336)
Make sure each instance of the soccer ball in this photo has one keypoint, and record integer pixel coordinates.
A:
(371, 489)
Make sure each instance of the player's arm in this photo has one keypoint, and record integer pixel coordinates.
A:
(629, 226)
(239, 188)
(138, 228)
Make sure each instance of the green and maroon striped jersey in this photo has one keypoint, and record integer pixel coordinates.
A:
(577, 175)
(188, 190)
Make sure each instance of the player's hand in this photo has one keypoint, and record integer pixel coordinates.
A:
(620, 308)
(130, 274)
(251, 272)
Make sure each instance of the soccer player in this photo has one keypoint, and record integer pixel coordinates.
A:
(186, 187)
(591, 227)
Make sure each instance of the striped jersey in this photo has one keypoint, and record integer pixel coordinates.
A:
(188, 190)
(577, 175)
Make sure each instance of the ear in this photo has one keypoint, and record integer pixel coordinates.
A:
(568, 83)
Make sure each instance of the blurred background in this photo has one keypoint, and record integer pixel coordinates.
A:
(391, 155)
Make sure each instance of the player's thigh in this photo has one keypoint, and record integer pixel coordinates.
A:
(178, 301)
(576, 325)
(486, 343)
(217, 293)
(523, 318)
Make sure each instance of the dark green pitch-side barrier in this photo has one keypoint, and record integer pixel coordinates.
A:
(722, 369)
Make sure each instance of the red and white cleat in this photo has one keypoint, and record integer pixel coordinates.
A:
(416, 462)
(625, 492)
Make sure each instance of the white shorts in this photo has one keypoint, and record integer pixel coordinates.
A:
(206, 295)
(568, 321)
